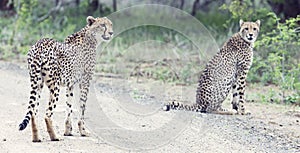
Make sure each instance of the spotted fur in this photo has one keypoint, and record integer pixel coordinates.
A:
(226, 71)
(64, 64)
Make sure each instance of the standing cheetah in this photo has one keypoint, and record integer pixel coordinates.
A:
(226, 71)
(57, 64)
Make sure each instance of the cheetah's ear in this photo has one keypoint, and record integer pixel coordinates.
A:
(258, 22)
(241, 22)
(90, 20)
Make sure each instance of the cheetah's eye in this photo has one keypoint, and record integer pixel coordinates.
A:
(246, 29)
(254, 29)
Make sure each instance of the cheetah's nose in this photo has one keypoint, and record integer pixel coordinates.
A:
(250, 34)
(111, 33)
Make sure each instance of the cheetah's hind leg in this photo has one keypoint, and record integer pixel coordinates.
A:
(54, 93)
(36, 87)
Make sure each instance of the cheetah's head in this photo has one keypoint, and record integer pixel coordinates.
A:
(249, 30)
(100, 28)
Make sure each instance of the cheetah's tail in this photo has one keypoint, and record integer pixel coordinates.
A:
(175, 105)
(25, 122)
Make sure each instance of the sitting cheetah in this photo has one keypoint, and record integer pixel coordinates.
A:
(225, 71)
(64, 64)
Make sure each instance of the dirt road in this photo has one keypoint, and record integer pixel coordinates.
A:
(119, 125)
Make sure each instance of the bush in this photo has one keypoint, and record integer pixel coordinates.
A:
(279, 56)
(276, 52)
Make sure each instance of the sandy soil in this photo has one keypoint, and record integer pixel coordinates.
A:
(124, 116)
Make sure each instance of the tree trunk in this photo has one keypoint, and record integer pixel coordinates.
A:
(115, 5)
(101, 11)
(77, 2)
(195, 5)
(6, 5)
(287, 8)
(93, 6)
(205, 6)
(181, 4)
(56, 2)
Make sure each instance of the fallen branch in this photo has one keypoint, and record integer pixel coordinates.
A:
(52, 10)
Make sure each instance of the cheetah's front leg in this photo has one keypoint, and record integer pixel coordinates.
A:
(84, 90)
(238, 90)
(68, 122)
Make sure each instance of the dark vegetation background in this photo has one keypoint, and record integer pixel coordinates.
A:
(277, 51)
